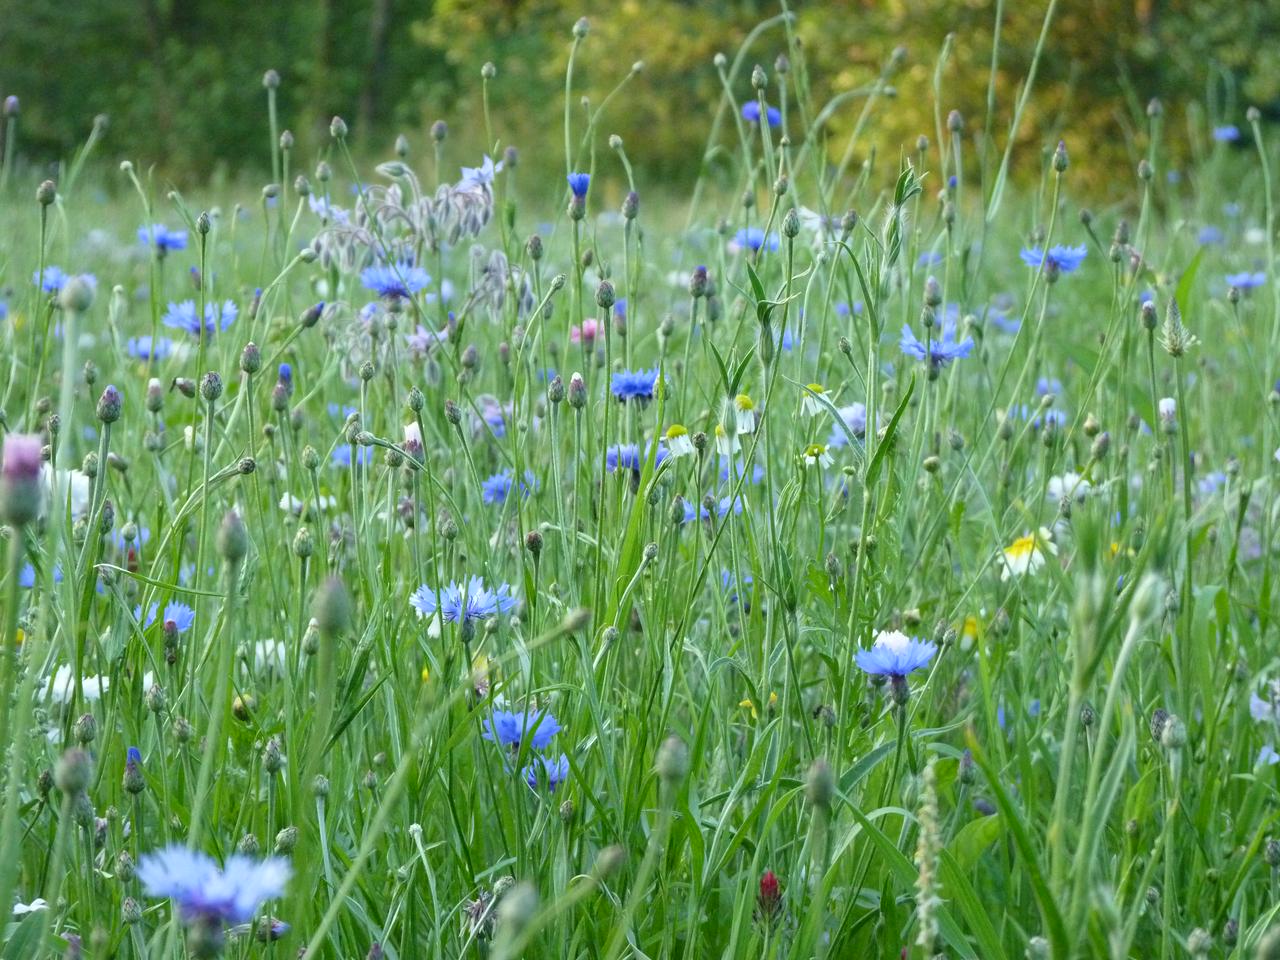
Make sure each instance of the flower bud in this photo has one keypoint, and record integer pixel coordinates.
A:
(110, 405)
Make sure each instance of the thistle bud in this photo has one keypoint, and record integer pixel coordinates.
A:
(955, 122)
(533, 543)
(333, 608)
(604, 295)
(1060, 157)
(791, 224)
(577, 392)
(250, 358)
(232, 539)
(211, 386)
(20, 487)
(338, 128)
(73, 772)
(110, 405)
(820, 784)
(631, 205)
(673, 760)
(555, 389)
(46, 193)
(76, 294)
(759, 79)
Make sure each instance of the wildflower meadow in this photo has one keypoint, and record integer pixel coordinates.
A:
(860, 549)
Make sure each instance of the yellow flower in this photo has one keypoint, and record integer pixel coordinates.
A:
(1026, 554)
(970, 627)
(426, 674)
(744, 413)
(747, 704)
(678, 442)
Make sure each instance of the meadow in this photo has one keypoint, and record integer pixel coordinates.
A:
(864, 550)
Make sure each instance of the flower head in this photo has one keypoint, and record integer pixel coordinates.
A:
(179, 614)
(394, 280)
(941, 350)
(1246, 280)
(497, 488)
(809, 402)
(1226, 133)
(816, 455)
(182, 316)
(162, 238)
(533, 727)
(579, 183)
(463, 603)
(894, 654)
(145, 348)
(1027, 553)
(754, 239)
(855, 418)
(203, 892)
(634, 384)
(552, 771)
(751, 113)
(678, 441)
(482, 175)
(1062, 259)
(627, 456)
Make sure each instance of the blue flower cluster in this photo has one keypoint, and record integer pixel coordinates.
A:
(463, 603)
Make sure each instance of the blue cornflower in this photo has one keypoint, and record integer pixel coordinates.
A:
(182, 316)
(579, 183)
(53, 279)
(1064, 259)
(753, 239)
(133, 755)
(627, 456)
(929, 258)
(455, 602)
(394, 280)
(1209, 234)
(284, 373)
(509, 729)
(1048, 385)
(730, 471)
(634, 384)
(162, 238)
(941, 350)
(202, 892)
(482, 175)
(553, 771)
(144, 348)
(855, 418)
(497, 422)
(27, 576)
(751, 113)
(497, 488)
(1246, 280)
(1231, 209)
(1226, 133)
(4, 310)
(894, 654)
(179, 614)
(341, 456)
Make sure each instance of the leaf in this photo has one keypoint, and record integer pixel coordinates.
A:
(882, 448)
(1183, 294)
(724, 372)
(972, 840)
(1022, 840)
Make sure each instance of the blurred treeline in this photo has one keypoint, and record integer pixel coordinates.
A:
(181, 80)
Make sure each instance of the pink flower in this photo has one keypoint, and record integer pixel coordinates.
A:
(585, 334)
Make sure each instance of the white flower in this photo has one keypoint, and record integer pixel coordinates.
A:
(816, 455)
(22, 909)
(1255, 236)
(744, 410)
(1168, 408)
(291, 504)
(268, 656)
(728, 444)
(482, 175)
(1068, 485)
(810, 404)
(65, 486)
(1026, 554)
(63, 685)
(678, 442)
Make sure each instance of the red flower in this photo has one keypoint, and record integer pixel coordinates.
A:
(769, 902)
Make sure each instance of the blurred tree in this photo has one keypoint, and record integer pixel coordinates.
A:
(181, 79)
